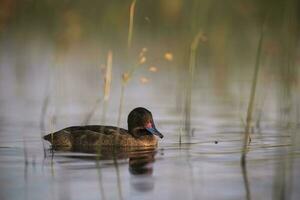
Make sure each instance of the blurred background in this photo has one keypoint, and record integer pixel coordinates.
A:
(58, 50)
(192, 63)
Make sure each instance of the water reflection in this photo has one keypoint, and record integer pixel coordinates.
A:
(246, 181)
(140, 159)
(140, 165)
(141, 168)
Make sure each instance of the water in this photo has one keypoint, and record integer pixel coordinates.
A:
(205, 165)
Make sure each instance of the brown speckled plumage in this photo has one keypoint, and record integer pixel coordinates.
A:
(95, 135)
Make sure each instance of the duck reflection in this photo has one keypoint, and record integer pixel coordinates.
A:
(141, 169)
(140, 159)
(141, 162)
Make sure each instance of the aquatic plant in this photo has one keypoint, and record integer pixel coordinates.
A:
(192, 64)
(247, 137)
(246, 181)
(119, 185)
(106, 91)
(130, 29)
(100, 180)
(107, 84)
(126, 76)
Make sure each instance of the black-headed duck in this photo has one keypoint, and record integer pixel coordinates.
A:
(140, 133)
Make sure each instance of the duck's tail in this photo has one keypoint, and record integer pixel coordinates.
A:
(59, 138)
(48, 137)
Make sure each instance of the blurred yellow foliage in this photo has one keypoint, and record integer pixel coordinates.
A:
(153, 69)
(142, 60)
(125, 77)
(144, 80)
(168, 56)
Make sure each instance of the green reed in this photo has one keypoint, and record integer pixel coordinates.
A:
(106, 92)
(192, 65)
(126, 76)
(285, 179)
(246, 182)
(249, 117)
(125, 79)
(130, 28)
(98, 156)
(42, 120)
(107, 84)
(180, 136)
(120, 193)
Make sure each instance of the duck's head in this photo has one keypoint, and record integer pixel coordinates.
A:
(140, 121)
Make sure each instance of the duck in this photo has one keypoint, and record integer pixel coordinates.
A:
(141, 132)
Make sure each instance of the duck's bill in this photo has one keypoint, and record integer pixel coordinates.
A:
(154, 131)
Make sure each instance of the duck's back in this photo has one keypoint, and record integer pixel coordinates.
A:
(95, 135)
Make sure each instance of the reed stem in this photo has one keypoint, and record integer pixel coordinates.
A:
(131, 17)
(106, 93)
(118, 176)
(42, 121)
(121, 104)
(246, 182)
(107, 85)
(252, 97)
(98, 155)
(192, 65)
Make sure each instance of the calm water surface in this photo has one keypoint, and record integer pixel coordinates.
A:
(205, 165)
